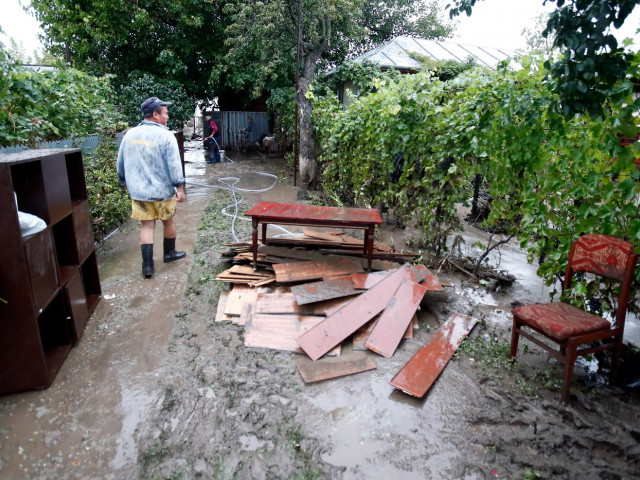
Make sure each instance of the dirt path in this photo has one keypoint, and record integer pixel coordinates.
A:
(157, 389)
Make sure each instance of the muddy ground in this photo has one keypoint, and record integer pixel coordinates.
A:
(157, 389)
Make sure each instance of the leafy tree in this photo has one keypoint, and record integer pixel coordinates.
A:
(176, 40)
(592, 61)
(142, 86)
(262, 44)
(536, 41)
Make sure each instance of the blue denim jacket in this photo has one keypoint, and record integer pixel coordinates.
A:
(149, 162)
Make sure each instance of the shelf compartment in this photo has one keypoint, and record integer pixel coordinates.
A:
(77, 302)
(75, 172)
(56, 336)
(82, 229)
(91, 282)
(41, 262)
(64, 238)
(28, 186)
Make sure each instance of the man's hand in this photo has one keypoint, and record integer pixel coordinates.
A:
(180, 195)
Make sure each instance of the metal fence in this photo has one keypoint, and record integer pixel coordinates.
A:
(87, 144)
(230, 123)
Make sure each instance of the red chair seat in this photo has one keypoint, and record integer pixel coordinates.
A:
(560, 321)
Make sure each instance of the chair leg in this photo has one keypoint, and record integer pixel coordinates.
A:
(515, 337)
(615, 361)
(569, 363)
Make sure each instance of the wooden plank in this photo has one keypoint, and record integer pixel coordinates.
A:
(344, 322)
(408, 333)
(222, 303)
(247, 270)
(328, 368)
(313, 270)
(279, 332)
(325, 290)
(276, 303)
(362, 334)
(286, 252)
(365, 281)
(329, 307)
(414, 322)
(417, 376)
(239, 295)
(431, 282)
(280, 303)
(395, 319)
(247, 313)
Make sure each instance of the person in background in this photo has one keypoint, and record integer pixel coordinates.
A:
(211, 139)
(149, 166)
(252, 133)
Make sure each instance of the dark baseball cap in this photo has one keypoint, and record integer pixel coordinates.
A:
(150, 105)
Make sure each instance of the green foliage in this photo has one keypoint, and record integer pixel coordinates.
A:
(141, 86)
(51, 105)
(445, 69)
(283, 105)
(592, 63)
(109, 201)
(551, 178)
(176, 40)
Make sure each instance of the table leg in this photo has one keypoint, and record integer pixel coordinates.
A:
(368, 236)
(254, 240)
(264, 233)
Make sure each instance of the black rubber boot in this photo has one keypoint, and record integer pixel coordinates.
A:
(147, 260)
(170, 253)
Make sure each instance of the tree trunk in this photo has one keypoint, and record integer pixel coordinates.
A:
(307, 166)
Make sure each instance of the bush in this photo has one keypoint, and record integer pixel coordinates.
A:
(144, 85)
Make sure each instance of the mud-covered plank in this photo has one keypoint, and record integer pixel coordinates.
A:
(313, 270)
(324, 290)
(395, 319)
(248, 310)
(362, 334)
(279, 332)
(364, 281)
(280, 303)
(222, 303)
(238, 297)
(419, 374)
(293, 253)
(328, 368)
(344, 322)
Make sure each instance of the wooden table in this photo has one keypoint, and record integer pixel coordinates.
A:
(292, 214)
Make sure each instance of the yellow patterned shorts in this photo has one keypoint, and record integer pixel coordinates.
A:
(164, 210)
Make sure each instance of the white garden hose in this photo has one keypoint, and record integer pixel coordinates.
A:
(230, 185)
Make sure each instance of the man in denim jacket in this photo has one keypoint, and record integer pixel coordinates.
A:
(149, 165)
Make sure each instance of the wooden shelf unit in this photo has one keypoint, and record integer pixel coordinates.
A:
(49, 282)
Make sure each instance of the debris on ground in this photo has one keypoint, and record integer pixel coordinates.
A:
(311, 294)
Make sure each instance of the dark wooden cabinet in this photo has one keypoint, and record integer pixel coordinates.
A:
(49, 283)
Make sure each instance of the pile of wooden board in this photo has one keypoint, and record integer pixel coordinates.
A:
(311, 303)
(311, 245)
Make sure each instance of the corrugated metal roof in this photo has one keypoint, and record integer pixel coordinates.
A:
(397, 53)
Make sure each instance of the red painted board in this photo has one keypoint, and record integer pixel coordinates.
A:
(364, 281)
(417, 376)
(289, 212)
(430, 281)
(325, 290)
(341, 324)
(396, 317)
